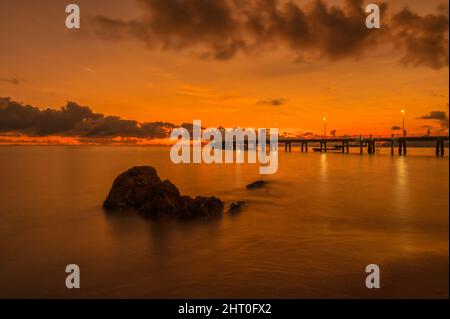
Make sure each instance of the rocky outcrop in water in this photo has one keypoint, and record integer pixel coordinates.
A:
(141, 188)
(237, 207)
(257, 184)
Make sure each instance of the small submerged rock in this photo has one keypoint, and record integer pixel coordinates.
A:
(257, 184)
(237, 207)
(141, 188)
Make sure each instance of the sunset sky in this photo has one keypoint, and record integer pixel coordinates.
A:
(257, 64)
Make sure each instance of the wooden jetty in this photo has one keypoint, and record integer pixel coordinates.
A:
(366, 141)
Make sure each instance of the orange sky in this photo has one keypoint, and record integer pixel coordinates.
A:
(44, 64)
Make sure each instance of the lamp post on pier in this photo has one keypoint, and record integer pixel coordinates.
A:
(403, 122)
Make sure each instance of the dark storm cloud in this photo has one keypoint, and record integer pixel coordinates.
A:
(227, 27)
(423, 38)
(221, 29)
(437, 116)
(73, 120)
(273, 102)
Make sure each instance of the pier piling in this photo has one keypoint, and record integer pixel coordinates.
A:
(440, 151)
(392, 145)
(370, 146)
(360, 145)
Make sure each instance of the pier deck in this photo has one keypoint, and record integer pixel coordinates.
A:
(367, 141)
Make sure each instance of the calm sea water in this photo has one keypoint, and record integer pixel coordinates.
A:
(310, 233)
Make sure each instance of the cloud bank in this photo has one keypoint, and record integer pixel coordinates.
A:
(73, 120)
(439, 116)
(272, 102)
(221, 29)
